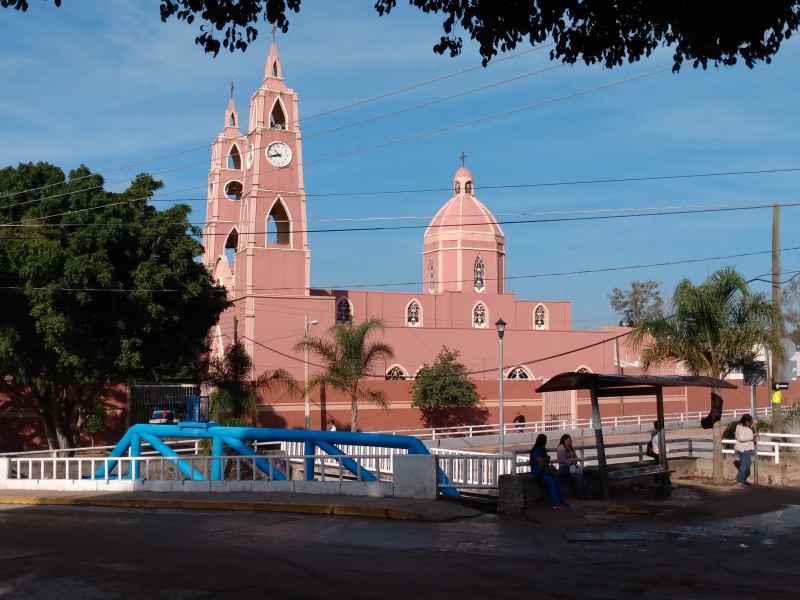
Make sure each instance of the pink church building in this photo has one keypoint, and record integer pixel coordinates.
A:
(256, 244)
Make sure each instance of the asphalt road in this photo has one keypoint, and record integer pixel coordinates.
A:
(95, 553)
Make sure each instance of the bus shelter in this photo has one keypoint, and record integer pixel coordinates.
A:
(605, 386)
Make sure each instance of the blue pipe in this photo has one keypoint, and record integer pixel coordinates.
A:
(348, 463)
(325, 440)
(263, 464)
(182, 464)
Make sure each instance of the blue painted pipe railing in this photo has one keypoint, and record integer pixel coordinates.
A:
(234, 438)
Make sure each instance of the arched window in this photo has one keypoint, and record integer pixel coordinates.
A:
(479, 316)
(277, 118)
(540, 318)
(518, 374)
(232, 120)
(396, 373)
(468, 188)
(278, 224)
(234, 158)
(231, 245)
(344, 312)
(431, 286)
(457, 188)
(414, 314)
(233, 190)
(479, 274)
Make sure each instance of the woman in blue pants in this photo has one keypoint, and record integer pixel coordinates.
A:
(541, 468)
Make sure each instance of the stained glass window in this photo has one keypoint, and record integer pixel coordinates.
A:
(479, 316)
(413, 314)
(540, 318)
(518, 374)
(344, 315)
(395, 373)
(479, 273)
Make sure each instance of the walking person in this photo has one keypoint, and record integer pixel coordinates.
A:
(570, 467)
(541, 468)
(745, 445)
(654, 451)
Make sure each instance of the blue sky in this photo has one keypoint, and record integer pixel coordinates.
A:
(106, 84)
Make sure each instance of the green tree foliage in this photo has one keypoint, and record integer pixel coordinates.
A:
(233, 402)
(95, 287)
(790, 302)
(444, 387)
(642, 300)
(715, 327)
(349, 357)
(700, 32)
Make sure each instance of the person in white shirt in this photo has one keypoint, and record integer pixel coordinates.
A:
(745, 445)
(655, 447)
(331, 425)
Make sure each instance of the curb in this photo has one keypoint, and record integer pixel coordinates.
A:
(235, 505)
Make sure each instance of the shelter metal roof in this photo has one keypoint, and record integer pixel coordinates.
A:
(585, 381)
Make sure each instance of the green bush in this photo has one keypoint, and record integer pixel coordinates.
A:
(729, 433)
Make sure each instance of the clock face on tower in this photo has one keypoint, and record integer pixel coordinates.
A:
(250, 153)
(279, 154)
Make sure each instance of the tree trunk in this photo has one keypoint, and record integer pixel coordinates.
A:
(353, 414)
(715, 415)
(717, 461)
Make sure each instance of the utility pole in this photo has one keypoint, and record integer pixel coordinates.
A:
(777, 325)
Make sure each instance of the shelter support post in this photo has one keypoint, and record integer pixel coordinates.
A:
(663, 485)
(597, 424)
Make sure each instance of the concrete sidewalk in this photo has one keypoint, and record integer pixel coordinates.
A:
(354, 506)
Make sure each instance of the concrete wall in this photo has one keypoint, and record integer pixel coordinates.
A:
(414, 477)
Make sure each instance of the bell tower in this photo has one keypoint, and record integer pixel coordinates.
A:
(255, 236)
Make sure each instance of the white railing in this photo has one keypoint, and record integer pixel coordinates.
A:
(164, 469)
(380, 462)
(769, 445)
(564, 424)
(471, 470)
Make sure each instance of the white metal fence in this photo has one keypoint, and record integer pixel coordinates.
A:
(463, 470)
(564, 425)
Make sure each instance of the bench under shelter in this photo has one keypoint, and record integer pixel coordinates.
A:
(620, 386)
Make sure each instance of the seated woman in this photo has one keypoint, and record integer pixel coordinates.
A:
(569, 466)
(541, 468)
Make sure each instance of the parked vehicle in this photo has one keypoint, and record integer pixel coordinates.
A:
(161, 417)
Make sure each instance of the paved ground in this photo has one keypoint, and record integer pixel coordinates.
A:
(692, 501)
(704, 543)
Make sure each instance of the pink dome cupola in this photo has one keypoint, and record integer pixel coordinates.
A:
(464, 247)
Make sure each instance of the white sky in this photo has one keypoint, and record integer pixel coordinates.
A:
(106, 84)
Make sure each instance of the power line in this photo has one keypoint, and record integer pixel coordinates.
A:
(596, 213)
(297, 122)
(413, 136)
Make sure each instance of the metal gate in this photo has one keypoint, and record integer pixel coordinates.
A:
(149, 397)
(557, 410)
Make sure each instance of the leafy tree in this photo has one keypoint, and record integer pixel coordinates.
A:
(442, 387)
(593, 31)
(350, 357)
(790, 302)
(715, 327)
(233, 402)
(642, 300)
(96, 287)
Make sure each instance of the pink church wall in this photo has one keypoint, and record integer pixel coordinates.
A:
(282, 411)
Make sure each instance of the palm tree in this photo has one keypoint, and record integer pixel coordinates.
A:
(233, 402)
(349, 357)
(715, 327)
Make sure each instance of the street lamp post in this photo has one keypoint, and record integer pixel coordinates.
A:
(305, 365)
(501, 329)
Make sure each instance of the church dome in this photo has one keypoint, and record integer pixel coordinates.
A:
(464, 213)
